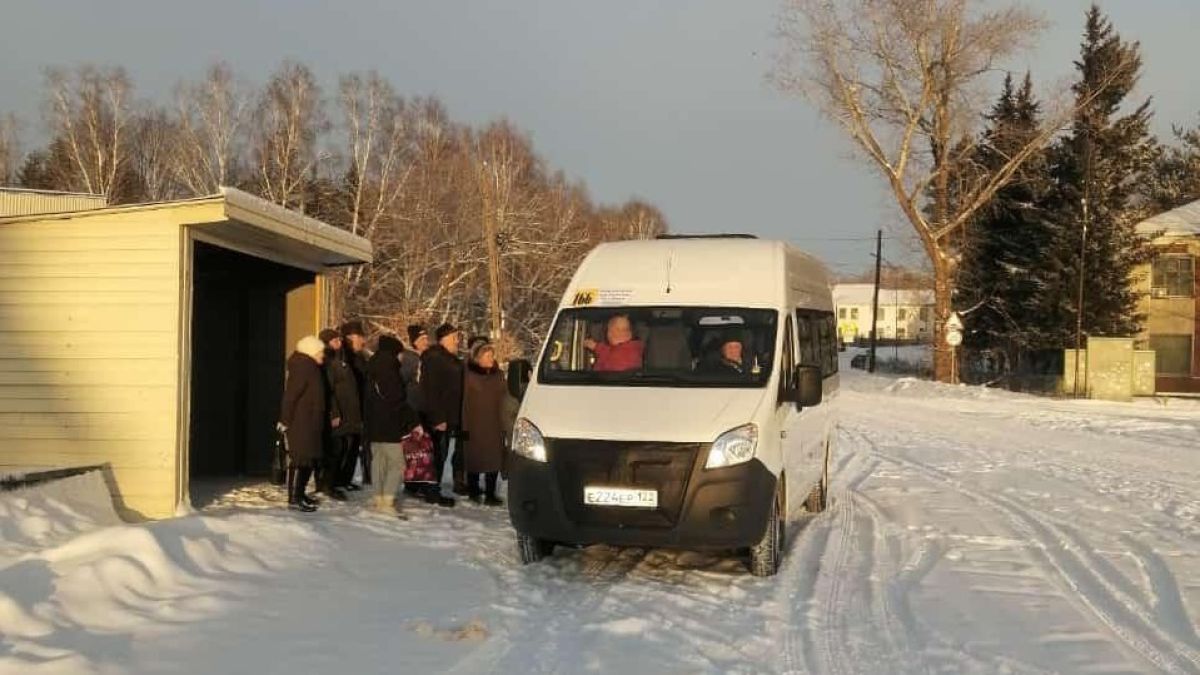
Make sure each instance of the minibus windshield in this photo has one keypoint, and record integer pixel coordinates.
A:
(661, 347)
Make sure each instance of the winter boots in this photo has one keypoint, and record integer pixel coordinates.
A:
(487, 495)
(433, 495)
(297, 484)
(387, 506)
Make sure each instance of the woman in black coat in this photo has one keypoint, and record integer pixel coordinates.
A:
(303, 415)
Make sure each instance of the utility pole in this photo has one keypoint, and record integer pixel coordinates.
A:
(875, 299)
(493, 252)
(1079, 297)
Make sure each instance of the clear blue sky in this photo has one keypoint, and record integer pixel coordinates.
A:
(663, 99)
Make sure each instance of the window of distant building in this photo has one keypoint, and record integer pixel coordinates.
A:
(883, 313)
(924, 313)
(853, 313)
(1172, 354)
(902, 314)
(1173, 276)
(841, 312)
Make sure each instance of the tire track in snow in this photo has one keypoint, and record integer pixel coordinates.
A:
(1123, 615)
(801, 564)
(567, 612)
(854, 556)
(916, 636)
(1168, 600)
(811, 558)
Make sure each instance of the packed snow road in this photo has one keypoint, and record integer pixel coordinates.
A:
(972, 531)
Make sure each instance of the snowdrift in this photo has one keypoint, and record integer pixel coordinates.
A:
(39, 516)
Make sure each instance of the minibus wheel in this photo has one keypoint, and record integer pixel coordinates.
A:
(533, 549)
(766, 555)
(818, 499)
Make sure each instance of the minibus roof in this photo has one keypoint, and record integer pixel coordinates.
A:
(717, 272)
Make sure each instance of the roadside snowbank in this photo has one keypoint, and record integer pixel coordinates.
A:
(36, 517)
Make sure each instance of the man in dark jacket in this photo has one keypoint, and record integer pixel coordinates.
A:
(302, 416)
(410, 371)
(327, 470)
(441, 395)
(348, 383)
(389, 420)
(410, 364)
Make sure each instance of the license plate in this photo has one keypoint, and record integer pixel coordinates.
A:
(626, 497)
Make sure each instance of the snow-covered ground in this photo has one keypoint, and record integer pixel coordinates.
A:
(972, 532)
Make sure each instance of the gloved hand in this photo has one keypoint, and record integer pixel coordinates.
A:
(281, 427)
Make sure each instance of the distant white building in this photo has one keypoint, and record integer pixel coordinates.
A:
(904, 314)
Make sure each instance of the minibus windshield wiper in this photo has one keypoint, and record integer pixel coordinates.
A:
(658, 378)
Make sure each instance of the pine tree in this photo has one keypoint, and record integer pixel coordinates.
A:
(1176, 177)
(1000, 274)
(1098, 167)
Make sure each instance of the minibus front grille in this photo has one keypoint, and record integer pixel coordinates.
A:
(664, 467)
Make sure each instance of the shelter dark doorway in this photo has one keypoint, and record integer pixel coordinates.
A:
(240, 330)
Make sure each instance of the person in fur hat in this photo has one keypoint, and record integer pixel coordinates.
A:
(485, 424)
(302, 417)
(441, 397)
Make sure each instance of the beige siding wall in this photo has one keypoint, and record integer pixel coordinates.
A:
(89, 349)
(1167, 316)
(28, 202)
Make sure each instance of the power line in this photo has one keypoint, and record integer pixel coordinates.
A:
(814, 238)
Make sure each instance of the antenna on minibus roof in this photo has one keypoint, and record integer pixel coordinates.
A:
(670, 264)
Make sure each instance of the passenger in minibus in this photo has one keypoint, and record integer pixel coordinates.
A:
(729, 358)
(621, 352)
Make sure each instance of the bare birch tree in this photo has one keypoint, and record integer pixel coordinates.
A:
(153, 163)
(90, 112)
(288, 124)
(10, 148)
(906, 81)
(212, 115)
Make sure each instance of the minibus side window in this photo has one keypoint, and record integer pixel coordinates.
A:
(829, 343)
(818, 340)
(787, 374)
(806, 335)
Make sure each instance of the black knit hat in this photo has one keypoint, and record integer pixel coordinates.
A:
(329, 335)
(390, 343)
(444, 330)
(352, 328)
(415, 331)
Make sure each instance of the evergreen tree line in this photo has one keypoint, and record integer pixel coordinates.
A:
(443, 202)
(1024, 253)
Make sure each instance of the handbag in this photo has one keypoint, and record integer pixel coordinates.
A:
(279, 459)
(418, 458)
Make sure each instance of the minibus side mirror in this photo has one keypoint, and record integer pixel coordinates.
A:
(809, 386)
(519, 371)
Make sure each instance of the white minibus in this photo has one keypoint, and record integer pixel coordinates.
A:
(684, 398)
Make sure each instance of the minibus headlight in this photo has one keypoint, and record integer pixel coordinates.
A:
(733, 447)
(528, 442)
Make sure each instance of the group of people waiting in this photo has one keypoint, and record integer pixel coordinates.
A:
(344, 405)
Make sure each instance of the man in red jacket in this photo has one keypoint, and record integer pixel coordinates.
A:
(621, 352)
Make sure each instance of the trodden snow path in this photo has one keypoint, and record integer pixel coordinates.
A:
(971, 532)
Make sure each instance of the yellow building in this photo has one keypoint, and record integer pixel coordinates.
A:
(904, 314)
(1170, 298)
(151, 338)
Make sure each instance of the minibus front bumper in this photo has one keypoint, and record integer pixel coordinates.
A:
(698, 508)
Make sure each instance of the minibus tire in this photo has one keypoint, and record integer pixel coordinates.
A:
(533, 549)
(766, 555)
(818, 499)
